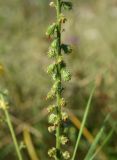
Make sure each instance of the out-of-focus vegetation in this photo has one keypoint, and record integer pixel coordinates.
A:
(92, 30)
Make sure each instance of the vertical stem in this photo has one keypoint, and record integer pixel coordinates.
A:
(58, 129)
(13, 134)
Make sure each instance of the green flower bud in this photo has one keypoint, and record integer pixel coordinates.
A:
(51, 94)
(52, 52)
(52, 152)
(66, 75)
(60, 59)
(64, 140)
(62, 102)
(57, 86)
(53, 118)
(52, 4)
(51, 68)
(66, 155)
(62, 18)
(64, 116)
(54, 76)
(51, 108)
(51, 29)
(51, 129)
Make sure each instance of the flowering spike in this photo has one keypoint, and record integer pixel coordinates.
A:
(58, 71)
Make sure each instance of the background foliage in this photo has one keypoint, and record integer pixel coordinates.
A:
(23, 53)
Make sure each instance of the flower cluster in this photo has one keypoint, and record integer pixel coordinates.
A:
(59, 73)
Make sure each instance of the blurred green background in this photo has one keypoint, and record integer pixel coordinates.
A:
(92, 30)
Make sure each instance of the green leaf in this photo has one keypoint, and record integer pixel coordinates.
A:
(54, 43)
(66, 5)
(83, 123)
(66, 48)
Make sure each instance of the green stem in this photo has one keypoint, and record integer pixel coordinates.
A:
(58, 129)
(13, 134)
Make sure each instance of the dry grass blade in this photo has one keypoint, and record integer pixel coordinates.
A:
(29, 145)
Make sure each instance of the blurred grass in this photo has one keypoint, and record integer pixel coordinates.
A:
(23, 48)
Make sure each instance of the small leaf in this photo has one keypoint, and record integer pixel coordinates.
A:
(66, 5)
(54, 43)
(51, 29)
(66, 48)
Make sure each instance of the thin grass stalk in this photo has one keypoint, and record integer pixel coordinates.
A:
(10, 126)
(102, 145)
(83, 124)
